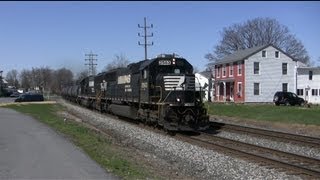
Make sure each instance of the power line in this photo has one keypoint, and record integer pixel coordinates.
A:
(145, 36)
(91, 58)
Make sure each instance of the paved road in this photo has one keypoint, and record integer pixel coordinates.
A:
(31, 150)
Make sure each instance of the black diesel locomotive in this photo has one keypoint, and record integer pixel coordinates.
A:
(161, 92)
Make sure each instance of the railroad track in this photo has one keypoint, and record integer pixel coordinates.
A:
(293, 164)
(269, 134)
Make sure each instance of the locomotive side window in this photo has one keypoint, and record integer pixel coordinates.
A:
(103, 86)
(144, 74)
(177, 71)
(180, 63)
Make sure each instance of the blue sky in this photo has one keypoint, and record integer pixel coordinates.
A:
(59, 34)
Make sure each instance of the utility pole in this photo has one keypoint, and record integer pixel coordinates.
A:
(1, 83)
(91, 58)
(145, 36)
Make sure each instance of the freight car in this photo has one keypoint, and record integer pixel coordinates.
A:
(160, 92)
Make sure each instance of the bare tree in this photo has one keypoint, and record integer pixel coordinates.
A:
(35, 78)
(61, 78)
(316, 63)
(82, 75)
(118, 61)
(195, 69)
(45, 79)
(257, 32)
(25, 79)
(12, 78)
(46, 75)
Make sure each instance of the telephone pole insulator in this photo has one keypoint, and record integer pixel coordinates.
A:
(145, 36)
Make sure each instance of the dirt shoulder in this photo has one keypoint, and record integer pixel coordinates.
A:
(307, 130)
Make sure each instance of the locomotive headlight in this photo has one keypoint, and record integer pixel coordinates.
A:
(197, 100)
(178, 99)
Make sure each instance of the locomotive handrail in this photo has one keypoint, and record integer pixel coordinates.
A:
(160, 92)
(167, 95)
(159, 100)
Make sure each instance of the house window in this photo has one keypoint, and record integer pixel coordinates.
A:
(264, 53)
(218, 71)
(256, 67)
(276, 54)
(284, 68)
(239, 68)
(314, 92)
(284, 87)
(256, 88)
(231, 70)
(224, 71)
(239, 93)
(310, 75)
(300, 92)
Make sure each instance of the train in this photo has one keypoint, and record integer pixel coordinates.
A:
(159, 92)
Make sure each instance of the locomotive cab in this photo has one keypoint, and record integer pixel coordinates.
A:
(171, 83)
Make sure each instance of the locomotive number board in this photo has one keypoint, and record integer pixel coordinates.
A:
(165, 62)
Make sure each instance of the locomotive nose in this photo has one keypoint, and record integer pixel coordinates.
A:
(189, 118)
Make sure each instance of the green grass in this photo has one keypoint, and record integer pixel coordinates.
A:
(95, 145)
(285, 114)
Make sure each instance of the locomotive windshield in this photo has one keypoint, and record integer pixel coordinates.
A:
(170, 70)
(173, 66)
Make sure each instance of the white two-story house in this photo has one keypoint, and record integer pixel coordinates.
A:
(308, 84)
(205, 80)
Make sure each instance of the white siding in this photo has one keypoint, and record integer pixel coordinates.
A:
(201, 81)
(270, 76)
(304, 83)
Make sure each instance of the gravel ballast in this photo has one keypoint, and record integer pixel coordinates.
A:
(286, 147)
(190, 159)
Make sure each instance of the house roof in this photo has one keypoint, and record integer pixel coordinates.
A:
(245, 53)
(308, 68)
(4, 81)
(206, 74)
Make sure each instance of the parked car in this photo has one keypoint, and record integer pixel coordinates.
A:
(287, 98)
(29, 97)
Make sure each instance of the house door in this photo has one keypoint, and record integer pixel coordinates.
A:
(307, 97)
(231, 92)
(221, 91)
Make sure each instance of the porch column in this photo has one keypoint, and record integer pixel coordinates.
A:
(217, 91)
(224, 92)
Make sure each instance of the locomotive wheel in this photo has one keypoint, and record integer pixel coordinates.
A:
(170, 133)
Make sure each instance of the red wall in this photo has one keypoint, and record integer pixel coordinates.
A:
(236, 79)
(241, 79)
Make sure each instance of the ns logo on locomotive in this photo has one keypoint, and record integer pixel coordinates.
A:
(160, 92)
